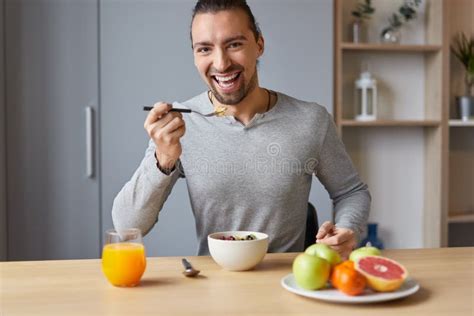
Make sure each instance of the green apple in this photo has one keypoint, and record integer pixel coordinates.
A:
(311, 272)
(325, 252)
(362, 252)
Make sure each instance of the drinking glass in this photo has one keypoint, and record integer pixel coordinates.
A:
(123, 257)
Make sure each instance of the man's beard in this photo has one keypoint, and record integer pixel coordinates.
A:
(237, 96)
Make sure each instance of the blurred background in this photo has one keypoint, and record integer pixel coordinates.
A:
(65, 58)
(75, 74)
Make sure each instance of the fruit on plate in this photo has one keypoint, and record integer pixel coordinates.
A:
(325, 252)
(311, 272)
(383, 274)
(364, 252)
(347, 279)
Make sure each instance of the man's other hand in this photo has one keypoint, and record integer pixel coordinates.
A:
(340, 239)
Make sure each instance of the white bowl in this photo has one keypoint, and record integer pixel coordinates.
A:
(237, 255)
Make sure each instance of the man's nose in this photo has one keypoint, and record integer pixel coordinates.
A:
(221, 60)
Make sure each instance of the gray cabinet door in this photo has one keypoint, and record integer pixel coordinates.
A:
(146, 57)
(52, 76)
(3, 196)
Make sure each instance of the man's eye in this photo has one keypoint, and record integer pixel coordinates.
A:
(203, 50)
(235, 45)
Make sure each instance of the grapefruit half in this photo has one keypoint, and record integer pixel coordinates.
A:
(383, 274)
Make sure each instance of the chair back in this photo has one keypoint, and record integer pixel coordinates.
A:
(312, 226)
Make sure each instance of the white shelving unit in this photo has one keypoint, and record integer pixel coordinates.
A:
(460, 123)
(401, 154)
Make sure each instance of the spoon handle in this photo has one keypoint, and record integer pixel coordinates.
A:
(148, 108)
(186, 264)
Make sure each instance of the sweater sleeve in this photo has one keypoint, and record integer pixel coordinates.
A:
(140, 201)
(351, 197)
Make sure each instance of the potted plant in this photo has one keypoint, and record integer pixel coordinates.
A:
(406, 12)
(361, 13)
(463, 49)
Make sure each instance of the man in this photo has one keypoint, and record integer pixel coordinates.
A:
(250, 169)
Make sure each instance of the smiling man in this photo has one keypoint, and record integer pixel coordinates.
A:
(252, 167)
(226, 48)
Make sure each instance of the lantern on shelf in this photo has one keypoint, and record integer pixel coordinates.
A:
(366, 97)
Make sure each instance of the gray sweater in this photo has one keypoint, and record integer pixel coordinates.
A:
(251, 177)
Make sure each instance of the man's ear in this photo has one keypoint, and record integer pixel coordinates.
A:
(261, 45)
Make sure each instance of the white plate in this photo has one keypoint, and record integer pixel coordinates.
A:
(368, 296)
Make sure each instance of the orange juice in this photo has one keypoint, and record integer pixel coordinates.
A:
(123, 263)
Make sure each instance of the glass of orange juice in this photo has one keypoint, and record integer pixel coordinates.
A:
(123, 257)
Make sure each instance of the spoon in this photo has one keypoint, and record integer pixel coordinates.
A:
(217, 112)
(189, 270)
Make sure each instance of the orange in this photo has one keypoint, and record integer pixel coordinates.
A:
(347, 279)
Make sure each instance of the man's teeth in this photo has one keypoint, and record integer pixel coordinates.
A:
(225, 84)
(226, 78)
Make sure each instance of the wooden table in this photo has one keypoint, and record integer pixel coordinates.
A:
(77, 287)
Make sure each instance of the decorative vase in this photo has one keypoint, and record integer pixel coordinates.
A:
(372, 237)
(391, 35)
(465, 106)
(357, 31)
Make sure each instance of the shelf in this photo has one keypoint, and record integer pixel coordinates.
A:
(461, 217)
(413, 95)
(391, 47)
(459, 123)
(391, 123)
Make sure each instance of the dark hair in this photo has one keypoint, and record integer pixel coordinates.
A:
(214, 6)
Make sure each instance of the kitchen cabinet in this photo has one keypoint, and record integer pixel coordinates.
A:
(52, 99)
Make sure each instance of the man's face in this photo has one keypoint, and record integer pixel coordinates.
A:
(225, 54)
